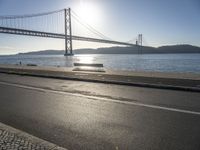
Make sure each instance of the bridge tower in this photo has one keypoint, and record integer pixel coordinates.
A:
(68, 32)
(139, 43)
(140, 39)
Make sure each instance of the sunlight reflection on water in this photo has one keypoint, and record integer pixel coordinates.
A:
(86, 59)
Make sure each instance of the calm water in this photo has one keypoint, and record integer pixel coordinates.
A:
(145, 62)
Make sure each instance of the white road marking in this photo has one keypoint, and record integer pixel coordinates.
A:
(103, 99)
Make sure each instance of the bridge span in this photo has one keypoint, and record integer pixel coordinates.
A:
(16, 29)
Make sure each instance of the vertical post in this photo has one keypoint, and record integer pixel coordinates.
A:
(141, 42)
(68, 32)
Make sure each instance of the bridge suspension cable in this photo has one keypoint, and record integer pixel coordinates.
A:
(89, 27)
(45, 22)
(30, 15)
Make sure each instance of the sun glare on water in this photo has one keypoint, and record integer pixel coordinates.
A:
(86, 59)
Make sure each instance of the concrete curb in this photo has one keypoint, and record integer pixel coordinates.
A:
(19, 135)
(152, 82)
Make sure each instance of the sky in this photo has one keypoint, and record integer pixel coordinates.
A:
(162, 22)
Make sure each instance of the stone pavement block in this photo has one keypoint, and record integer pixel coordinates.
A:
(13, 139)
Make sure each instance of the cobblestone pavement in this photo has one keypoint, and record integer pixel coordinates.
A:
(13, 142)
(12, 139)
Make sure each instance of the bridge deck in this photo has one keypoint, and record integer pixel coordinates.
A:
(56, 35)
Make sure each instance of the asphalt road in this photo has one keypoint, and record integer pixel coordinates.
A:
(81, 115)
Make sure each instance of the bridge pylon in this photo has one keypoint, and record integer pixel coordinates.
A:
(139, 43)
(68, 33)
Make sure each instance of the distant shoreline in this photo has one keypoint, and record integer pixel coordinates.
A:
(106, 54)
(173, 49)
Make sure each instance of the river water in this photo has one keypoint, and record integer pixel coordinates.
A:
(133, 62)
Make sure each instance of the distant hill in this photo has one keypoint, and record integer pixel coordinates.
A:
(179, 49)
(116, 50)
(125, 50)
(44, 52)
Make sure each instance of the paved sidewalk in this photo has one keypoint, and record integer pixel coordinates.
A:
(13, 139)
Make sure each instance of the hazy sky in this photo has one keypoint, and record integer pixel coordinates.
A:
(162, 22)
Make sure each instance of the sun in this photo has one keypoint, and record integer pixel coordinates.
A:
(89, 12)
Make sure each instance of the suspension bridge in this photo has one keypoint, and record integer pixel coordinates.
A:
(54, 24)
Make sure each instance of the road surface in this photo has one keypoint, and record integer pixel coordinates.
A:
(80, 115)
